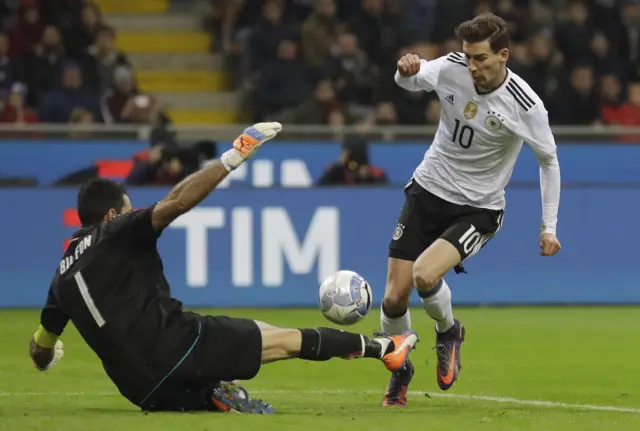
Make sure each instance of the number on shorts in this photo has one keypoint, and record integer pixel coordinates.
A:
(472, 240)
(88, 300)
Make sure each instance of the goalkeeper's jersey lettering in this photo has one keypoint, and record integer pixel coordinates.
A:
(140, 331)
(79, 245)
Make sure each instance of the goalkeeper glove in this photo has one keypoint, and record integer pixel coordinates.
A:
(248, 143)
(58, 353)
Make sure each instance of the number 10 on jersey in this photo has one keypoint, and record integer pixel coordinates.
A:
(463, 135)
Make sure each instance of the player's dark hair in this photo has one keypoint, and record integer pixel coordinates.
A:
(486, 26)
(96, 198)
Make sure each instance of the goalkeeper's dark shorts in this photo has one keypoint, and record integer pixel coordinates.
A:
(226, 349)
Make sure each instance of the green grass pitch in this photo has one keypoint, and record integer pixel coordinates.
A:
(523, 369)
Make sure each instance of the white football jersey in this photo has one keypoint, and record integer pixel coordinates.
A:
(479, 136)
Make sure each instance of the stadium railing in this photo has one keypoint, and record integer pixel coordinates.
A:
(390, 134)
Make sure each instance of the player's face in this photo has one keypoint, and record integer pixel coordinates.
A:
(485, 65)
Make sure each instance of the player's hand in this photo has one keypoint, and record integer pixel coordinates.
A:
(248, 143)
(549, 244)
(409, 65)
(58, 353)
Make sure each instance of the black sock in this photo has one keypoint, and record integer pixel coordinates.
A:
(393, 314)
(322, 344)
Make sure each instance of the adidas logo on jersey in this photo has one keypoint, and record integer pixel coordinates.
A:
(449, 98)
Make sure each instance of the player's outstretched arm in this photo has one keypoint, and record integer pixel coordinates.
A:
(197, 186)
(414, 74)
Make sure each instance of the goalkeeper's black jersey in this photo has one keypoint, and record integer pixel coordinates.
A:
(111, 285)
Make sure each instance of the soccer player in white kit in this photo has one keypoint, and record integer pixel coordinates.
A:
(455, 200)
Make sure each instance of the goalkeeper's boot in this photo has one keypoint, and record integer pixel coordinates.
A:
(447, 348)
(397, 353)
(396, 394)
(233, 398)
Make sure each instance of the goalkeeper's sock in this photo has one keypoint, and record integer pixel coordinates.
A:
(322, 344)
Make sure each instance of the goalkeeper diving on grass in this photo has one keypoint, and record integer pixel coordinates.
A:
(110, 283)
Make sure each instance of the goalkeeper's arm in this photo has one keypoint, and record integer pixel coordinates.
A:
(45, 349)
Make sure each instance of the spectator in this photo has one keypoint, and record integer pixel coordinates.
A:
(518, 28)
(27, 31)
(627, 114)
(611, 98)
(302, 9)
(284, 83)
(239, 17)
(6, 14)
(115, 100)
(367, 26)
(61, 13)
(546, 65)
(10, 70)
(42, 65)
(160, 165)
(385, 114)
(58, 104)
(15, 110)
(212, 12)
(141, 109)
(197, 156)
(577, 102)
(80, 117)
(601, 55)
(483, 6)
(419, 20)
(271, 30)
(628, 47)
(353, 75)
(572, 36)
(316, 109)
(521, 62)
(82, 33)
(203, 152)
(102, 60)
(319, 33)
(410, 106)
(353, 167)
(450, 13)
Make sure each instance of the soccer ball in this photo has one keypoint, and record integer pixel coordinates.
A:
(345, 297)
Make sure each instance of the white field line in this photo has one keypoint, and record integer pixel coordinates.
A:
(503, 400)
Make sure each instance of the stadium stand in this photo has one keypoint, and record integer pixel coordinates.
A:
(300, 61)
(579, 56)
(108, 51)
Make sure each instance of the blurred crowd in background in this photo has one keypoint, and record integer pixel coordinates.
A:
(332, 61)
(323, 61)
(59, 63)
